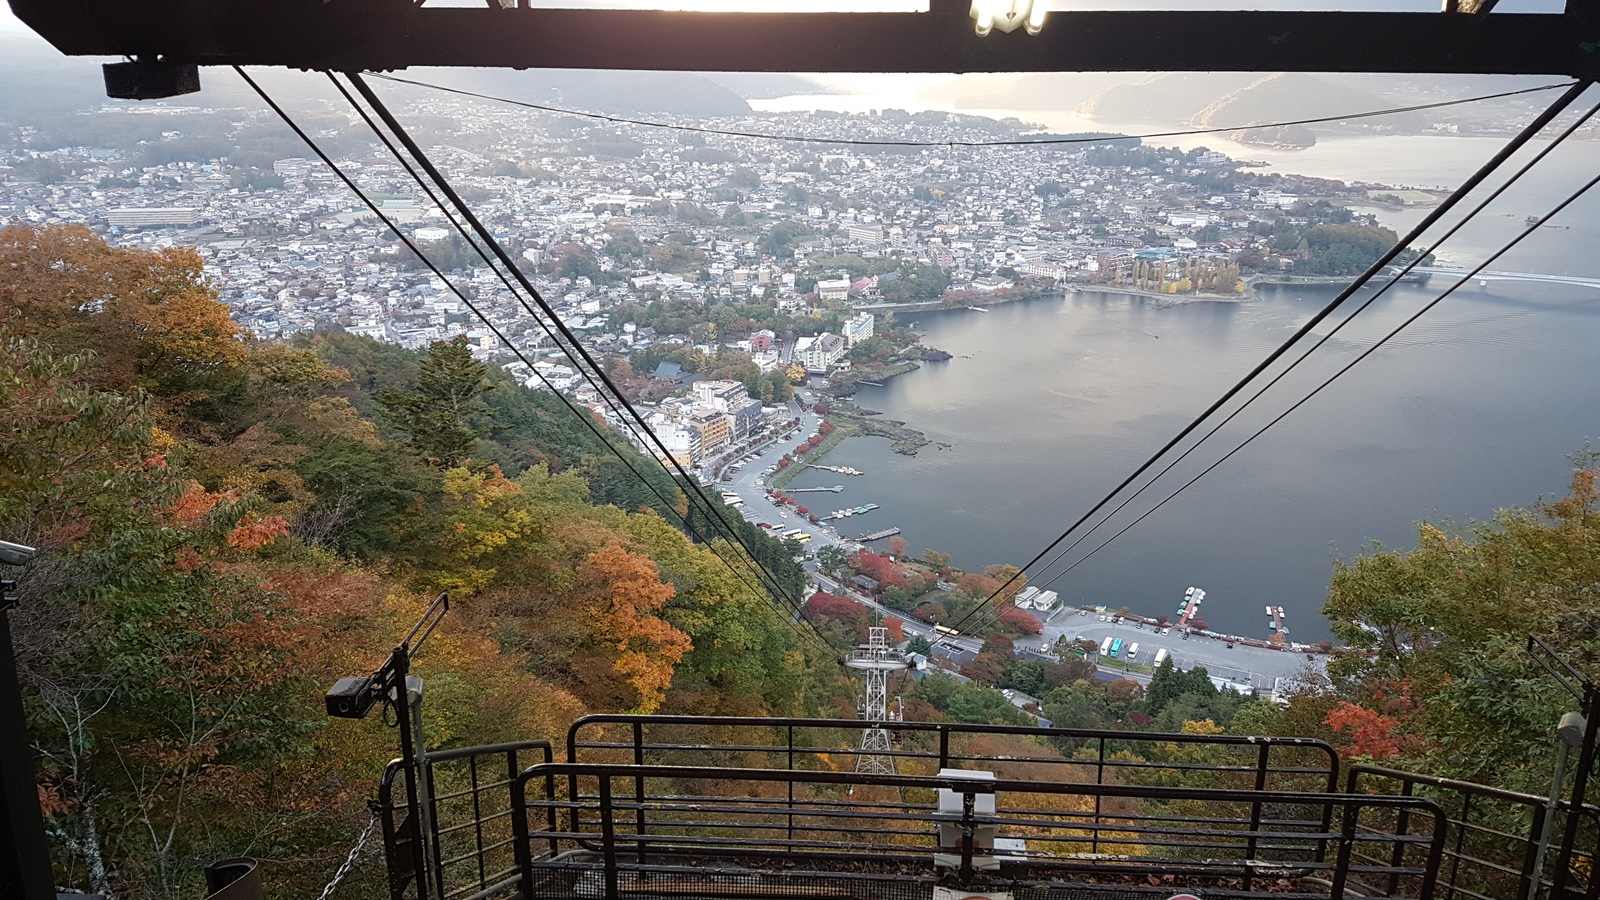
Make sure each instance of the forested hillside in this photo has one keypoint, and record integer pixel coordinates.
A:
(229, 526)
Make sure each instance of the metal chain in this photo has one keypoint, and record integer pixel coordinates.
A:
(349, 861)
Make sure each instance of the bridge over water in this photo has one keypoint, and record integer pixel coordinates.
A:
(1421, 273)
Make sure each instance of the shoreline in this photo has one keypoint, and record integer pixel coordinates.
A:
(1168, 300)
(852, 420)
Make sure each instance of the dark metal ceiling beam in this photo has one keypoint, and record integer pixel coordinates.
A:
(393, 34)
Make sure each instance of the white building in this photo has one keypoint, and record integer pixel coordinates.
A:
(820, 353)
(1033, 598)
(141, 216)
(866, 235)
(833, 289)
(857, 329)
(293, 167)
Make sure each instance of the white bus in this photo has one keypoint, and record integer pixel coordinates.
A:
(793, 533)
(1133, 651)
(1105, 646)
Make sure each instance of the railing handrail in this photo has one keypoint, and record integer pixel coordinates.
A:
(402, 872)
(619, 812)
(956, 727)
(1356, 770)
(386, 781)
(969, 785)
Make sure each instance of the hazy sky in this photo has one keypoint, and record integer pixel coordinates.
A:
(892, 89)
(8, 22)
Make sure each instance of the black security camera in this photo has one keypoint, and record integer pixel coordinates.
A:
(351, 697)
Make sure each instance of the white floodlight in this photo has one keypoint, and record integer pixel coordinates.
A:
(1009, 15)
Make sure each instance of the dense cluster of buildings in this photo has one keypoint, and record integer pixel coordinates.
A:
(714, 419)
(606, 217)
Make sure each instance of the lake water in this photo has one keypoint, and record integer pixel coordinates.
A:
(1050, 403)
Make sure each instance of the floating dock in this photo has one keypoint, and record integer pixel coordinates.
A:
(877, 535)
(831, 490)
(1192, 598)
(1275, 620)
(853, 511)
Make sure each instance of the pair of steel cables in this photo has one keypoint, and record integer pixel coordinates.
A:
(976, 621)
(487, 247)
(984, 615)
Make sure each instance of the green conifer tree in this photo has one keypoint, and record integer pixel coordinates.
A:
(441, 418)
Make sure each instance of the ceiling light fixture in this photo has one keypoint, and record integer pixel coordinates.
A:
(1008, 15)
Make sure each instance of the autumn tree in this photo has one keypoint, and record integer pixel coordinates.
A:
(987, 668)
(150, 318)
(1449, 619)
(224, 530)
(885, 572)
(1021, 620)
(626, 621)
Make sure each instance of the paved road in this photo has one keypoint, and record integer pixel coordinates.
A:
(759, 509)
(1245, 666)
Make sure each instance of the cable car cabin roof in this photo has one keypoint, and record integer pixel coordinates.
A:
(395, 34)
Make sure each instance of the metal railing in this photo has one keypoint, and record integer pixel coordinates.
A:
(760, 807)
(1493, 846)
(472, 833)
(924, 748)
(713, 830)
(1258, 763)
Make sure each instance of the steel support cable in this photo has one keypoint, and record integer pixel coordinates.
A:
(1477, 210)
(482, 254)
(1572, 198)
(573, 346)
(691, 485)
(373, 207)
(1470, 215)
(773, 586)
(488, 261)
(1511, 147)
(492, 327)
(749, 562)
(1020, 142)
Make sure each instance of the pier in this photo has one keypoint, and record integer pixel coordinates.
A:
(831, 490)
(877, 535)
(852, 511)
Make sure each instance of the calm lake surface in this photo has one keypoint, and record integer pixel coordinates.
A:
(1050, 403)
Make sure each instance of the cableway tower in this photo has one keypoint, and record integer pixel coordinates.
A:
(875, 660)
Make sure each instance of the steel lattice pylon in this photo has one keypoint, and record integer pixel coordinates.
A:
(876, 659)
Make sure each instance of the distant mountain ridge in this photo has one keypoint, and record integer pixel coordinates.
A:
(1287, 96)
(1171, 97)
